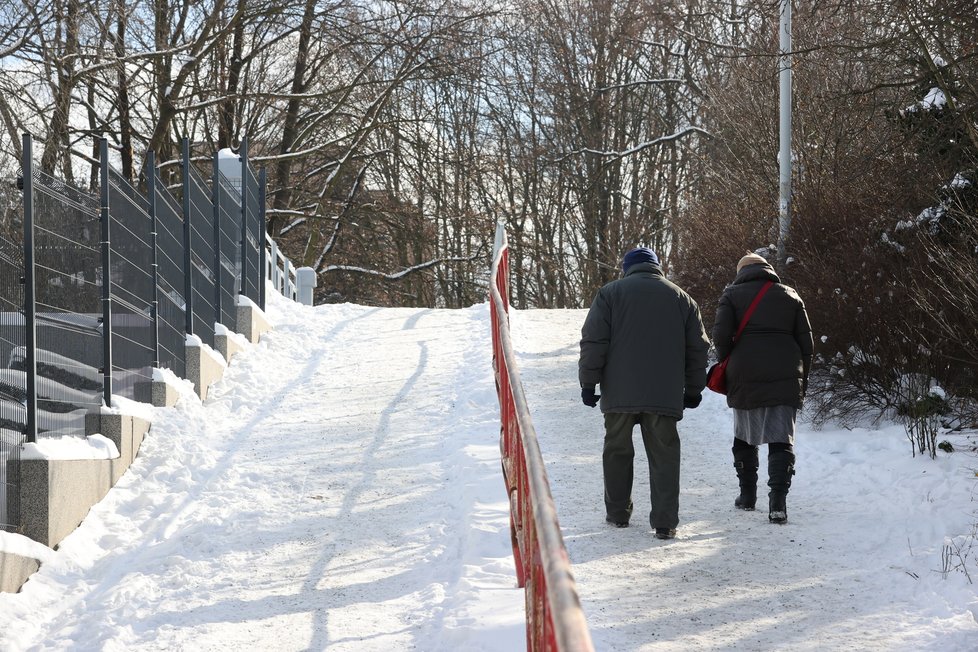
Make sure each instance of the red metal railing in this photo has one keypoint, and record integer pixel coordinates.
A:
(554, 618)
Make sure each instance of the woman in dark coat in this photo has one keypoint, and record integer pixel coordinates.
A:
(767, 376)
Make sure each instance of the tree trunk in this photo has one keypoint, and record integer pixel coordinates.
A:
(282, 193)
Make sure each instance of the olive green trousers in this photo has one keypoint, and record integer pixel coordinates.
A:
(662, 449)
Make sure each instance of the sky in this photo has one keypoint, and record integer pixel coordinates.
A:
(340, 489)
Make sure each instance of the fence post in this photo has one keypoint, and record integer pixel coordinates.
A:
(151, 181)
(106, 274)
(243, 156)
(216, 198)
(288, 288)
(305, 281)
(188, 288)
(30, 307)
(275, 280)
(261, 238)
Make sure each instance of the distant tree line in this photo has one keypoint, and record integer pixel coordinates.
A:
(396, 133)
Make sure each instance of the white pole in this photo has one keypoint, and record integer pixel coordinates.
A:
(305, 285)
(286, 267)
(289, 280)
(784, 153)
(274, 258)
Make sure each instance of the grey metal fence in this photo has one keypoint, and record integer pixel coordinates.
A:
(227, 254)
(253, 226)
(131, 282)
(13, 334)
(98, 290)
(171, 321)
(201, 252)
(65, 364)
(13, 389)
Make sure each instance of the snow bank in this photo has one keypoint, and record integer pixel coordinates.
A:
(18, 544)
(93, 447)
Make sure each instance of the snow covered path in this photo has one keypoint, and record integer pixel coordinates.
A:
(856, 568)
(340, 489)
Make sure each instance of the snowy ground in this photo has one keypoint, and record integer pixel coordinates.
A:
(340, 490)
(858, 566)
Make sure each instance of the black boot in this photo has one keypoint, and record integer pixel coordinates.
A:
(780, 468)
(745, 461)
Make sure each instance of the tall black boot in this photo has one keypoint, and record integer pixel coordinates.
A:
(745, 461)
(780, 468)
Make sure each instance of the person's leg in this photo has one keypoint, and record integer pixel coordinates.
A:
(617, 459)
(780, 468)
(663, 449)
(746, 463)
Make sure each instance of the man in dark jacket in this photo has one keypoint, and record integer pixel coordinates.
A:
(643, 342)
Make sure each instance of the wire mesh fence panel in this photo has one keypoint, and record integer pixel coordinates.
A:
(131, 288)
(13, 390)
(203, 276)
(12, 335)
(68, 303)
(229, 238)
(171, 310)
(252, 276)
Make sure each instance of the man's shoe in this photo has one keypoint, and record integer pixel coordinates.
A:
(665, 533)
(620, 518)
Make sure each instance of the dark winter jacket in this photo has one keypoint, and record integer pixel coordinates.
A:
(643, 342)
(770, 363)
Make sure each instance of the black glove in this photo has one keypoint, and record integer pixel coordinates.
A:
(589, 397)
(692, 401)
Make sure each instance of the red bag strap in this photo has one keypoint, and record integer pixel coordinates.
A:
(750, 309)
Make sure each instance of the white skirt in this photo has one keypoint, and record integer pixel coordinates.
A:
(766, 425)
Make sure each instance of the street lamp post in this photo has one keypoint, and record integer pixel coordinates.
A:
(784, 153)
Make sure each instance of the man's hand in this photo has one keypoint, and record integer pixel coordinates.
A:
(692, 401)
(588, 396)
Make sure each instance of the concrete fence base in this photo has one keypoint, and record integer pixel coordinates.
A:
(157, 393)
(15, 570)
(55, 495)
(203, 368)
(228, 345)
(252, 322)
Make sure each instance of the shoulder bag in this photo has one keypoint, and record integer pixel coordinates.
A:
(716, 376)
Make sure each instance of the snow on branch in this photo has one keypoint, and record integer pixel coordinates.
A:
(638, 148)
(107, 63)
(656, 44)
(643, 82)
(300, 211)
(397, 275)
(13, 47)
(292, 225)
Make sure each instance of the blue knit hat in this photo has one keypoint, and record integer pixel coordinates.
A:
(639, 255)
